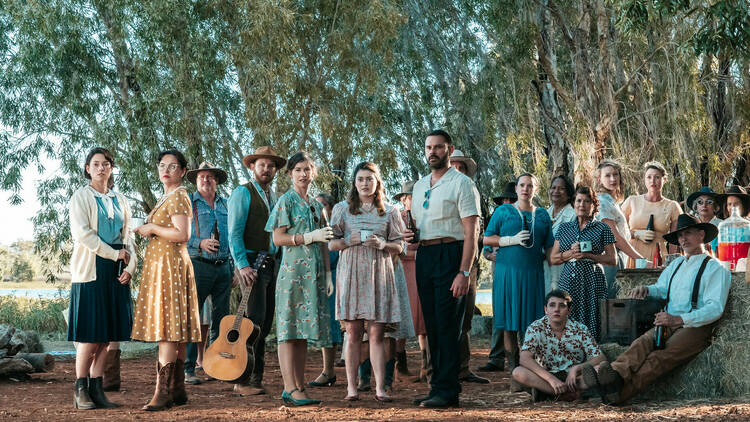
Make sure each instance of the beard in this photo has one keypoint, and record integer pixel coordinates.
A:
(264, 177)
(441, 163)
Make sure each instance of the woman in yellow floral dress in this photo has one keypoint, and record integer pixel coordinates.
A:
(167, 307)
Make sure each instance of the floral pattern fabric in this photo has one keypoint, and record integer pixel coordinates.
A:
(302, 310)
(559, 354)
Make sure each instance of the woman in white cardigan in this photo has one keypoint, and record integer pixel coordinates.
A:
(101, 267)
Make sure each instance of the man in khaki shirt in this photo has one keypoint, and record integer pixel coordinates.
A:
(446, 210)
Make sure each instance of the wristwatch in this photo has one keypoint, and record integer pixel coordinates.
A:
(466, 273)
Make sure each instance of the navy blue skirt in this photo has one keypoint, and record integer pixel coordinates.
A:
(101, 310)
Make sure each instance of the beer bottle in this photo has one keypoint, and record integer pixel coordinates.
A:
(215, 232)
(525, 226)
(657, 259)
(650, 225)
(411, 225)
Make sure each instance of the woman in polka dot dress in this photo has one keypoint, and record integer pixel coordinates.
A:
(584, 246)
(167, 307)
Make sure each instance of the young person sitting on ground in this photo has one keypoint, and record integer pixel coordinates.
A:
(695, 287)
(554, 350)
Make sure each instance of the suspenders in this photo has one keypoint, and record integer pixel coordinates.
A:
(696, 283)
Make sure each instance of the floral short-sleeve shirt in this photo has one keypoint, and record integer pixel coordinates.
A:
(556, 355)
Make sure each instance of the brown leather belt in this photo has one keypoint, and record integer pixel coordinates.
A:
(439, 240)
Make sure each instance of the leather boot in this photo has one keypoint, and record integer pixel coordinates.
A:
(177, 384)
(111, 378)
(162, 395)
(364, 372)
(81, 398)
(422, 377)
(403, 369)
(389, 373)
(96, 392)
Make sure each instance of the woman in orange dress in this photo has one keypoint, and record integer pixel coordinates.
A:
(167, 307)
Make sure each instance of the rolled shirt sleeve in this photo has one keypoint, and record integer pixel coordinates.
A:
(714, 294)
(468, 199)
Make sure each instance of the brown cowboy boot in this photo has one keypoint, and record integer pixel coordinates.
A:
(513, 362)
(111, 377)
(177, 384)
(162, 395)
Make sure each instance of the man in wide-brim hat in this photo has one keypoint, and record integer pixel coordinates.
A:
(696, 287)
(249, 208)
(406, 189)
(736, 196)
(208, 248)
(508, 196)
(464, 164)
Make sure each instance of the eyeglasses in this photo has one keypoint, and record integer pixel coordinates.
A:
(706, 201)
(315, 216)
(170, 168)
(426, 203)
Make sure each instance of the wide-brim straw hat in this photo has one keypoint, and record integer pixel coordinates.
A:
(471, 165)
(406, 189)
(510, 193)
(739, 192)
(704, 191)
(264, 152)
(221, 175)
(685, 221)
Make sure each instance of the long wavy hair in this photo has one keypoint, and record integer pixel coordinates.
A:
(619, 193)
(353, 198)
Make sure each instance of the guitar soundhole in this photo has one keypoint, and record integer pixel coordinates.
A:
(233, 335)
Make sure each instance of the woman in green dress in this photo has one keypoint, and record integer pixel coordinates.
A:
(304, 281)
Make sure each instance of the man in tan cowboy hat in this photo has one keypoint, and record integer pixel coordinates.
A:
(208, 248)
(696, 288)
(249, 208)
(468, 166)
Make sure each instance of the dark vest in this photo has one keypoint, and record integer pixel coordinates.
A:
(256, 237)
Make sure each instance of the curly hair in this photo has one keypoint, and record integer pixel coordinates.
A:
(353, 197)
(586, 190)
(619, 193)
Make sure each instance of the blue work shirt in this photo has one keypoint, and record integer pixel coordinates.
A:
(239, 207)
(206, 216)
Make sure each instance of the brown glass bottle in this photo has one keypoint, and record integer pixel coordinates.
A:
(410, 225)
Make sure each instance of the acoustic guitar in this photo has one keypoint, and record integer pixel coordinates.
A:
(226, 358)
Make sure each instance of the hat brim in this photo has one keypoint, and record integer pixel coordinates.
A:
(695, 195)
(708, 228)
(397, 197)
(221, 175)
(471, 165)
(249, 159)
(498, 200)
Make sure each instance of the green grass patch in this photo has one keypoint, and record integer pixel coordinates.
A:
(40, 315)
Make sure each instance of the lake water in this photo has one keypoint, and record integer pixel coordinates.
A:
(36, 293)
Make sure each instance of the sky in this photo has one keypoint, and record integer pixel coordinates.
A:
(15, 220)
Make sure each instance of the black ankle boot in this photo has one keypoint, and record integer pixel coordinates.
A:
(389, 369)
(96, 392)
(401, 363)
(81, 398)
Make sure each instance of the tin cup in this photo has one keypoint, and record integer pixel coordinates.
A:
(364, 235)
(585, 245)
(641, 263)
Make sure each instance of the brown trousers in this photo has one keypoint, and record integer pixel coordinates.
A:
(641, 364)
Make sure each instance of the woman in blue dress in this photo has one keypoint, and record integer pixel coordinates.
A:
(518, 285)
(101, 266)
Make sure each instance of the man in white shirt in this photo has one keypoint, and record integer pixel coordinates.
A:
(446, 210)
(695, 287)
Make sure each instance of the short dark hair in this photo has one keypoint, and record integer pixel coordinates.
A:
(177, 154)
(327, 198)
(107, 155)
(568, 186)
(444, 134)
(297, 158)
(586, 190)
(560, 294)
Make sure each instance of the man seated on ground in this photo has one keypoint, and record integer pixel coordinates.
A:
(554, 351)
(695, 287)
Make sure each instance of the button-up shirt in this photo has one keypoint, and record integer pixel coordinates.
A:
(239, 208)
(559, 354)
(712, 295)
(206, 217)
(438, 209)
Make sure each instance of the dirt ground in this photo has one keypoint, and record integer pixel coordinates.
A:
(49, 397)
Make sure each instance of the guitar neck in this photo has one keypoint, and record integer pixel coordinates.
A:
(260, 260)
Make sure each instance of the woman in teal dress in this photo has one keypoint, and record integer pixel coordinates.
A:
(304, 281)
(518, 284)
